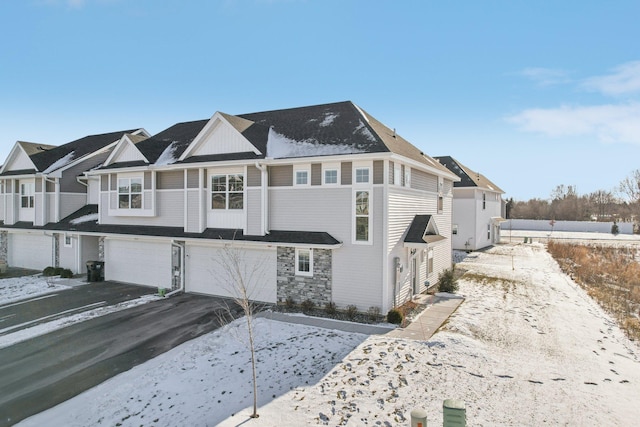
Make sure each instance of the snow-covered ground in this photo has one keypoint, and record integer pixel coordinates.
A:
(18, 288)
(531, 349)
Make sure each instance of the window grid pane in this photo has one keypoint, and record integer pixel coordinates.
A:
(331, 176)
(362, 175)
(302, 177)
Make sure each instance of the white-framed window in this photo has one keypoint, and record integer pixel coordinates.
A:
(362, 217)
(489, 231)
(130, 193)
(304, 262)
(429, 260)
(440, 204)
(227, 191)
(27, 194)
(484, 201)
(330, 176)
(362, 175)
(302, 177)
(68, 241)
(397, 177)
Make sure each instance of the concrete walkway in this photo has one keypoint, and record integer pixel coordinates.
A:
(438, 310)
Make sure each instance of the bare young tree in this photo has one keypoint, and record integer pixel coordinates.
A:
(243, 279)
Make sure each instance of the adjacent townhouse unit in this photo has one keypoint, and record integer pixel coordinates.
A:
(334, 205)
(478, 208)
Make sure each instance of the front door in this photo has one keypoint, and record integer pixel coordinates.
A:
(177, 266)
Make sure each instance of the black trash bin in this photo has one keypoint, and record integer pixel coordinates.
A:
(95, 271)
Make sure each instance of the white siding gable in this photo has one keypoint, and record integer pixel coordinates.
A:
(125, 151)
(19, 161)
(218, 137)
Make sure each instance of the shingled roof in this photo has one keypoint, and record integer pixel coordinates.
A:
(48, 159)
(468, 178)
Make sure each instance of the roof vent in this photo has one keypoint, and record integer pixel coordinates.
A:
(394, 132)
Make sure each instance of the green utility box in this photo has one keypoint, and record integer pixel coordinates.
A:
(454, 413)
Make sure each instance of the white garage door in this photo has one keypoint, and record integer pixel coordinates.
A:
(31, 251)
(205, 273)
(139, 262)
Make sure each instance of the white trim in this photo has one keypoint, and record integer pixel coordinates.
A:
(331, 167)
(354, 192)
(304, 273)
(119, 147)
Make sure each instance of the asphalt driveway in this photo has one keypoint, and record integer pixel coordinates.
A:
(45, 308)
(43, 371)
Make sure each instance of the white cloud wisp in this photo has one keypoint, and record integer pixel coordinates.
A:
(625, 80)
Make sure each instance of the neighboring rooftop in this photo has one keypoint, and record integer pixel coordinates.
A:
(468, 178)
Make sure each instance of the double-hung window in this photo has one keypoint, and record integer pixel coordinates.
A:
(227, 191)
(130, 193)
(331, 176)
(304, 262)
(27, 193)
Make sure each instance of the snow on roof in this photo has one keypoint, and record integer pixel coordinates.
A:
(280, 146)
(168, 155)
(328, 119)
(60, 162)
(364, 131)
(85, 218)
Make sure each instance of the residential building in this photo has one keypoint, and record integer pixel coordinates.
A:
(478, 208)
(335, 206)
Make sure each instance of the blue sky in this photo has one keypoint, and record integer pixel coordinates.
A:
(533, 94)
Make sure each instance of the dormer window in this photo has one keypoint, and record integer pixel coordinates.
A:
(130, 193)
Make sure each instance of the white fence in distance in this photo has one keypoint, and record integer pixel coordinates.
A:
(576, 226)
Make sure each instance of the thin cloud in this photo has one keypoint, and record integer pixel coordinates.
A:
(624, 80)
(546, 76)
(609, 123)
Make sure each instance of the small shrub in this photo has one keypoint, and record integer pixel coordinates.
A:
(49, 271)
(66, 274)
(395, 316)
(330, 308)
(447, 281)
(57, 271)
(307, 306)
(351, 312)
(615, 229)
(373, 313)
(290, 303)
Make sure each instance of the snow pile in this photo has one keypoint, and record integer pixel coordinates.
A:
(168, 155)
(64, 161)
(527, 347)
(85, 218)
(18, 288)
(280, 146)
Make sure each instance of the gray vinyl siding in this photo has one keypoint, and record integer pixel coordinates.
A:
(281, 176)
(193, 178)
(170, 180)
(403, 205)
(378, 172)
(316, 174)
(254, 211)
(169, 210)
(69, 182)
(357, 271)
(38, 185)
(50, 187)
(193, 206)
(51, 207)
(114, 182)
(421, 180)
(147, 180)
(70, 202)
(104, 182)
(345, 173)
(38, 209)
(254, 177)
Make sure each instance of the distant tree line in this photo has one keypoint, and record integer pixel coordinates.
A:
(619, 205)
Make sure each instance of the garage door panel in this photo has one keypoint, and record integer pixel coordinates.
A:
(205, 273)
(139, 262)
(32, 251)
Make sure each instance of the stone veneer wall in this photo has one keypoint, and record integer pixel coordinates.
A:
(101, 248)
(316, 288)
(56, 249)
(4, 246)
